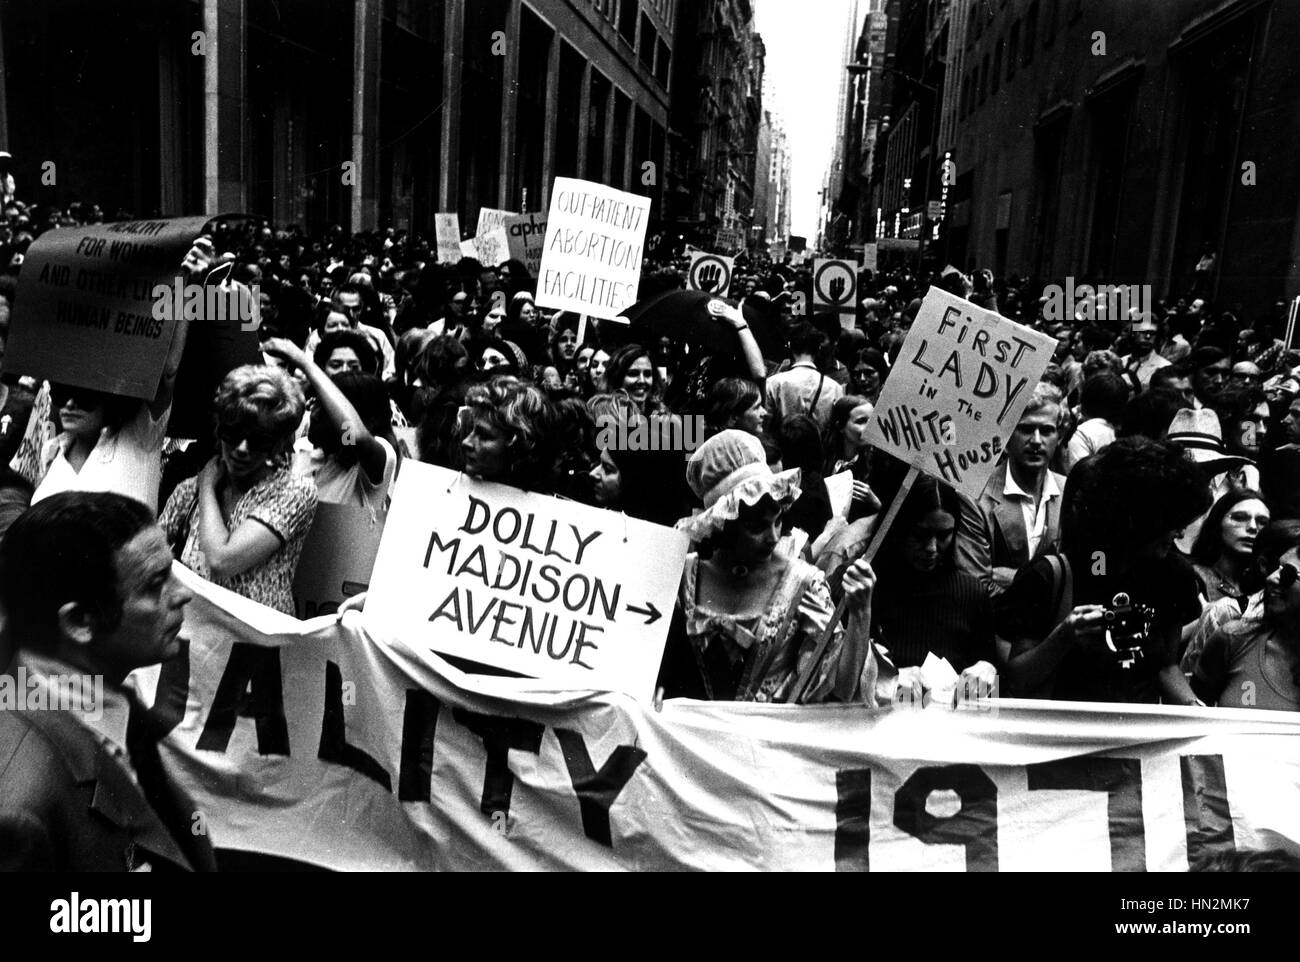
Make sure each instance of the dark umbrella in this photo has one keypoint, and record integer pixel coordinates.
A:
(683, 317)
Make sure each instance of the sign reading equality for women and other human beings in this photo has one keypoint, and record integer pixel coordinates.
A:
(595, 242)
(85, 312)
(551, 589)
(963, 377)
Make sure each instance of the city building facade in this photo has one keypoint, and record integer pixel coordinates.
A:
(356, 112)
(717, 112)
(1092, 142)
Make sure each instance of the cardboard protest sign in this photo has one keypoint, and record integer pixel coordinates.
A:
(870, 256)
(962, 379)
(594, 244)
(711, 273)
(337, 558)
(447, 228)
(468, 249)
(526, 235)
(728, 239)
(489, 219)
(835, 284)
(493, 248)
(552, 589)
(86, 312)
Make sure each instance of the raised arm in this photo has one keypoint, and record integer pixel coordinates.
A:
(335, 406)
(748, 345)
(194, 268)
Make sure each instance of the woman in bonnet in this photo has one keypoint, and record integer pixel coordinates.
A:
(748, 616)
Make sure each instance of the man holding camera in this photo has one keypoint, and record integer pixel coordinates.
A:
(1101, 620)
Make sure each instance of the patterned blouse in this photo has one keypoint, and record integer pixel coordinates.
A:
(283, 502)
(758, 658)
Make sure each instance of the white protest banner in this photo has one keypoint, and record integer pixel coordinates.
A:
(489, 219)
(468, 249)
(548, 588)
(493, 248)
(88, 311)
(835, 284)
(526, 235)
(962, 379)
(710, 273)
(447, 228)
(329, 743)
(337, 558)
(595, 238)
(869, 257)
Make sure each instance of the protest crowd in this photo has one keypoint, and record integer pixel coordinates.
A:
(1138, 540)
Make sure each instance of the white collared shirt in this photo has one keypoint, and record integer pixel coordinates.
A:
(127, 461)
(1034, 512)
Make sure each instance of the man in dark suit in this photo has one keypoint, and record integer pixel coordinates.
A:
(86, 596)
(1020, 507)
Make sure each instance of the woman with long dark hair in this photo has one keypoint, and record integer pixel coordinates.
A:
(631, 369)
(845, 444)
(1223, 554)
(925, 605)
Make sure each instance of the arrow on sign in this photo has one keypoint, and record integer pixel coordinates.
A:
(652, 613)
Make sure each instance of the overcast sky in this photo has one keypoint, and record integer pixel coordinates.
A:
(805, 46)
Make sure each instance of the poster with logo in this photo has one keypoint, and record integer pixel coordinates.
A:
(711, 273)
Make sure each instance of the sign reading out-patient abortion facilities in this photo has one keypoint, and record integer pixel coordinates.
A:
(961, 382)
(551, 589)
(85, 310)
(595, 242)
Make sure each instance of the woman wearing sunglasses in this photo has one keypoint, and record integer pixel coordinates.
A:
(1255, 662)
(113, 443)
(242, 522)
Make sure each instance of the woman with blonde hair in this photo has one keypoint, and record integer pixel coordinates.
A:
(242, 522)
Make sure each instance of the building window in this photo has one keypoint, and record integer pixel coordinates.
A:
(663, 62)
(647, 44)
(627, 11)
(996, 78)
(605, 8)
(1031, 33)
(1013, 50)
